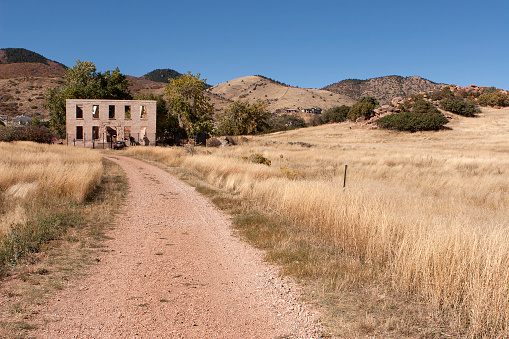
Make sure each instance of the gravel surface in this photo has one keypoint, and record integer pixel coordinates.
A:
(174, 270)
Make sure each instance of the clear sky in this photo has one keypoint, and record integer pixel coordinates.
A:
(301, 43)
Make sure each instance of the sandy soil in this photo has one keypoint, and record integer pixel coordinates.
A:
(174, 270)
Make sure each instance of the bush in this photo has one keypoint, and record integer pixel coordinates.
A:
(444, 93)
(26, 133)
(284, 122)
(336, 114)
(493, 99)
(363, 108)
(257, 158)
(458, 106)
(422, 117)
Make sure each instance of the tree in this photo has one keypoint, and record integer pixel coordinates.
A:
(285, 122)
(84, 82)
(161, 112)
(420, 116)
(459, 106)
(494, 99)
(241, 117)
(186, 99)
(336, 114)
(364, 107)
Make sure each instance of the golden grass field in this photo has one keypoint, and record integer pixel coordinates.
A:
(32, 173)
(427, 212)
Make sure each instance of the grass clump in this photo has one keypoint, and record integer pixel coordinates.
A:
(257, 158)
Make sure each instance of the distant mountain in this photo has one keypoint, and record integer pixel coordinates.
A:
(162, 75)
(383, 88)
(19, 55)
(20, 62)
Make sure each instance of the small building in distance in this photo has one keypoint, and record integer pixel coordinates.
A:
(313, 110)
(21, 120)
(99, 123)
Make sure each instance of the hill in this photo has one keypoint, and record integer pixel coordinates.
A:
(20, 62)
(162, 75)
(383, 88)
(278, 96)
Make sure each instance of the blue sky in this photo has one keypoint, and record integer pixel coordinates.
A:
(301, 43)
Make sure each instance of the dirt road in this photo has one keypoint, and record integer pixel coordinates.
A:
(173, 270)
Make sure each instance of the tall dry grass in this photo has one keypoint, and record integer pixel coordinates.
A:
(46, 171)
(33, 177)
(430, 209)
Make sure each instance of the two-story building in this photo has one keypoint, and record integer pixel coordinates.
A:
(91, 122)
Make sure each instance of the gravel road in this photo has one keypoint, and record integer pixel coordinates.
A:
(174, 270)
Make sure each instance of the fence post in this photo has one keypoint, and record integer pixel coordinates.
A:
(344, 180)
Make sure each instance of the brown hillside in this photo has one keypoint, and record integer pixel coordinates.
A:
(25, 95)
(278, 97)
(383, 88)
(31, 69)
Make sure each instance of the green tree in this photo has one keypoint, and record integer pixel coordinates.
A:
(284, 122)
(162, 117)
(420, 116)
(336, 114)
(36, 121)
(494, 99)
(242, 117)
(187, 100)
(363, 108)
(458, 106)
(83, 82)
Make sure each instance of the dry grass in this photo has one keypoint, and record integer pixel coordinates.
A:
(48, 170)
(37, 182)
(426, 212)
(72, 240)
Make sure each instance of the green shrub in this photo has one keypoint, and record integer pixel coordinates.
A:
(459, 106)
(336, 114)
(444, 93)
(363, 108)
(493, 99)
(284, 122)
(257, 158)
(26, 133)
(422, 116)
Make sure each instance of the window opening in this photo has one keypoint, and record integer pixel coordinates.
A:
(111, 112)
(143, 112)
(127, 112)
(79, 111)
(95, 111)
(95, 132)
(79, 132)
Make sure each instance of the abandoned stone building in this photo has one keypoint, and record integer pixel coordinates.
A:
(99, 123)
